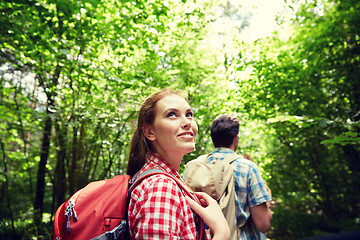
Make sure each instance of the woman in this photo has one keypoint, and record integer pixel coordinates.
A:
(158, 209)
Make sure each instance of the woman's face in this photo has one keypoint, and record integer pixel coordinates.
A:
(174, 130)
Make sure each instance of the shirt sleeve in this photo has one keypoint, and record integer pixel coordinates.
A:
(158, 210)
(256, 187)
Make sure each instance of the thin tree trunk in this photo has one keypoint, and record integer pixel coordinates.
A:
(8, 202)
(60, 175)
(24, 136)
(40, 185)
(72, 165)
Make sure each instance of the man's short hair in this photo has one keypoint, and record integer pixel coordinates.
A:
(224, 128)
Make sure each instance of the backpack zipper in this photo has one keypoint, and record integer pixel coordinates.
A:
(70, 211)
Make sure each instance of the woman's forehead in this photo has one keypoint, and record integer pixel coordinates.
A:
(172, 101)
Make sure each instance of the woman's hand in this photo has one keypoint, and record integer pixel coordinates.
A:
(212, 215)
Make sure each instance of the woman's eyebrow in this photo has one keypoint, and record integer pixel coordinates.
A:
(176, 110)
(170, 110)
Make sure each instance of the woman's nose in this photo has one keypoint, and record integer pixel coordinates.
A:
(186, 123)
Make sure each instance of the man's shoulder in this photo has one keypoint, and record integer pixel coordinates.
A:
(244, 165)
(241, 159)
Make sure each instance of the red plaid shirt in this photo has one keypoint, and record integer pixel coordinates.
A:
(158, 208)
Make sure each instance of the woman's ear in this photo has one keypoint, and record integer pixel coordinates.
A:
(148, 132)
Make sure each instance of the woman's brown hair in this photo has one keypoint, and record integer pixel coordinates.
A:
(140, 146)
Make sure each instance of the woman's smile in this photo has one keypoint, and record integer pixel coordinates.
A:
(189, 135)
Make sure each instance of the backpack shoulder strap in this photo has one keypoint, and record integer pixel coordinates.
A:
(137, 178)
(186, 189)
(230, 158)
(202, 158)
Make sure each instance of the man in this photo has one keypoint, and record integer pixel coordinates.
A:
(252, 213)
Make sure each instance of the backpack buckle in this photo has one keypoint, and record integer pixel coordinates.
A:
(116, 232)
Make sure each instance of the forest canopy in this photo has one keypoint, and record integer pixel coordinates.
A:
(74, 73)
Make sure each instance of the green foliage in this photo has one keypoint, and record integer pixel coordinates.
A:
(344, 139)
(306, 89)
(26, 231)
(294, 224)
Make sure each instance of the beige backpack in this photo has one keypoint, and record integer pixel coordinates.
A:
(217, 180)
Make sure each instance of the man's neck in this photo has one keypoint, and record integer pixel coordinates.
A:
(231, 147)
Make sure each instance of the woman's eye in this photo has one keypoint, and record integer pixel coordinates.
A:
(189, 115)
(171, 114)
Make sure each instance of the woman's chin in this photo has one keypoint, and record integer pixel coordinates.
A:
(190, 149)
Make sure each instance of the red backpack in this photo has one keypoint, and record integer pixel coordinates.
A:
(99, 210)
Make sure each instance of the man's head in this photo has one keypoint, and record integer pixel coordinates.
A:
(224, 129)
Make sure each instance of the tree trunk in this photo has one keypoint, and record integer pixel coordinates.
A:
(6, 183)
(72, 162)
(40, 184)
(60, 175)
